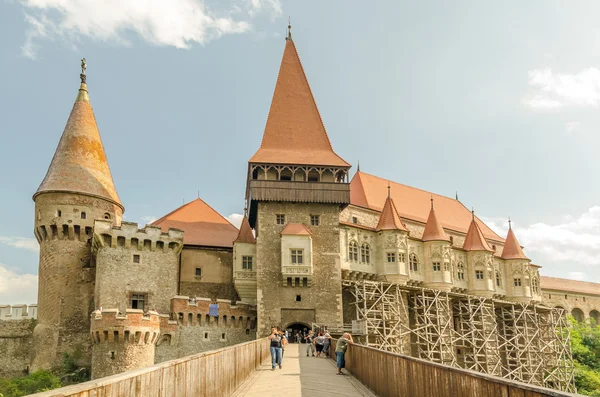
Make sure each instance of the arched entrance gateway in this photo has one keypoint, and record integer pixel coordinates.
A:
(293, 328)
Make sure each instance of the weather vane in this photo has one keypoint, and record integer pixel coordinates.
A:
(83, 68)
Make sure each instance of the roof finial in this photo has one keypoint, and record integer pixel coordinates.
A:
(358, 166)
(83, 68)
(389, 190)
(289, 32)
(457, 196)
(431, 201)
(473, 212)
(509, 224)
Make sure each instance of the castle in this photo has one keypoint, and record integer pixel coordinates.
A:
(315, 248)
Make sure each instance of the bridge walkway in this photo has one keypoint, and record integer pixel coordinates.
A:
(301, 376)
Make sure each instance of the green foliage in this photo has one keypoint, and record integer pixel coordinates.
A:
(585, 344)
(33, 383)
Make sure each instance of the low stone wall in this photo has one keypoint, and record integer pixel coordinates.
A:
(392, 375)
(16, 346)
(216, 373)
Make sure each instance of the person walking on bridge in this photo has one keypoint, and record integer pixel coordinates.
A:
(340, 351)
(310, 347)
(276, 339)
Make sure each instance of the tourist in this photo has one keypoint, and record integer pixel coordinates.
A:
(283, 341)
(276, 344)
(310, 348)
(340, 351)
(327, 343)
(319, 343)
(298, 337)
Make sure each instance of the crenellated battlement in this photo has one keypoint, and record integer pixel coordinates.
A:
(64, 231)
(18, 312)
(127, 235)
(133, 326)
(196, 311)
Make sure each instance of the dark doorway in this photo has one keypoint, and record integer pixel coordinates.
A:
(293, 329)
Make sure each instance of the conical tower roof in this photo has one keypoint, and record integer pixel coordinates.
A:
(245, 235)
(79, 164)
(295, 133)
(512, 249)
(389, 218)
(433, 229)
(475, 241)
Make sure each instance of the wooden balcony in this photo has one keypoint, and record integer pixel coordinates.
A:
(300, 192)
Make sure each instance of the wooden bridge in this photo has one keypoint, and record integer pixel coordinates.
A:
(244, 370)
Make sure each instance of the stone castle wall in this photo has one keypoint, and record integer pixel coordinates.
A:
(281, 305)
(216, 267)
(131, 261)
(18, 312)
(16, 346)
(194, 331)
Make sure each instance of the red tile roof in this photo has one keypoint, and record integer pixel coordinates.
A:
(245, 235)
(295, 229)
(368, 191)
(512, 249)
(433, 229)
(475, 241)
(562, 284)
(79, 164)
(295, 133)
(389, 218)
(202, 225)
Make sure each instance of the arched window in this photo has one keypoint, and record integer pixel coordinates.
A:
(460, 275)
(414, 262)
(535, 286)
(498, 279)
(578, 314)
(353, 251)
(365, 253)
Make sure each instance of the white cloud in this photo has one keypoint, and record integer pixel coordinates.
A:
(177, 23)
(235, 219)
(146, 220)
(29, 244)
(553, 90)
(575, 240)
(17, 288)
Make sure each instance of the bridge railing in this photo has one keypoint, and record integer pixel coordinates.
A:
(394, 375)
(214, 373)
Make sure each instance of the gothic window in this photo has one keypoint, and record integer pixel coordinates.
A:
(247, 262)
(517, 282)
(498, 279)
(365, 253)
(437, 266)
(479, 274)
(414, 262)
(445, 266)
(461, 271)
(391, 257)
(314, 220)
(280, 218)
(353, 251)
(297, 256)
(401, 257)
(535, 286)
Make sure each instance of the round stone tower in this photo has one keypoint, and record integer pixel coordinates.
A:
(123, 341)
(78, 188)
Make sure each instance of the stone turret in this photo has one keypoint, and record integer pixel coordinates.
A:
(437, 254)
(522, 284)
(78, 188)
(122, 341)
(393, 236)
(244, 266)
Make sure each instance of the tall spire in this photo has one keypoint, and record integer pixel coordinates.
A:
(294, 133)
(389, 218)
(512, 249)
(79, 164)
(475, 241)
(433, 229)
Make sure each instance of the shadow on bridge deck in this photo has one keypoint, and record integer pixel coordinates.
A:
(301, 376)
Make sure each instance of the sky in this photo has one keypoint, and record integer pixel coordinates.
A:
(497, 101)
